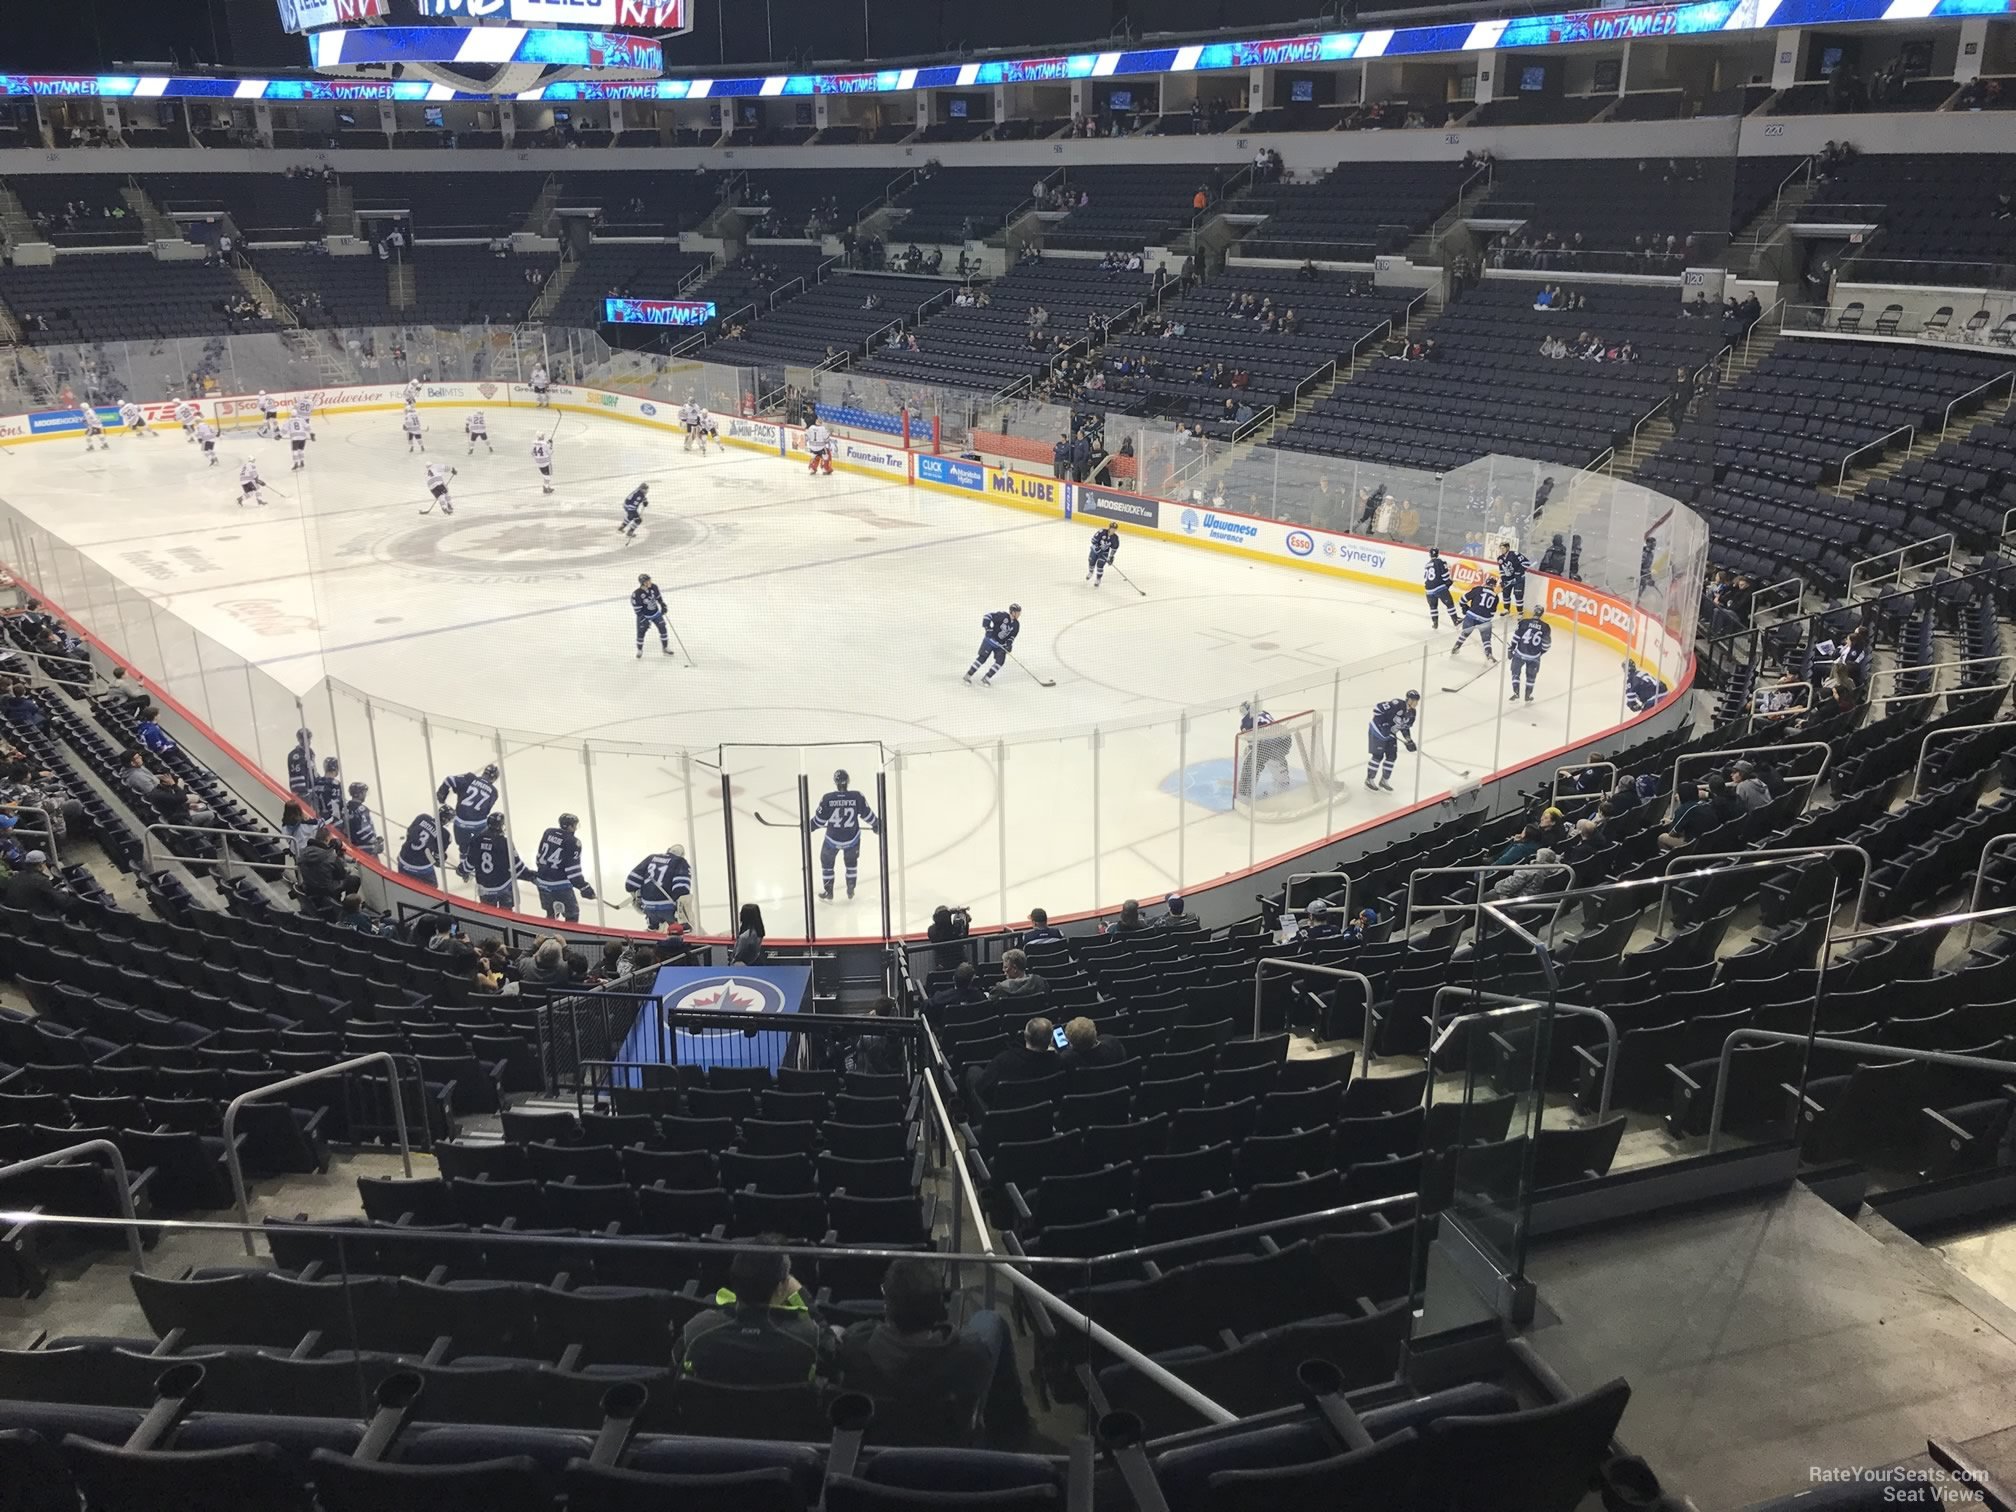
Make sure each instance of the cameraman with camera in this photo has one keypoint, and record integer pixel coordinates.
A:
(949, 928)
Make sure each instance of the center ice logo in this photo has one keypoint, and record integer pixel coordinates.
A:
(521, 548)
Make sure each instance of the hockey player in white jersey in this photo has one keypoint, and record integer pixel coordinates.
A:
(689, 416)
(541, 383)
(303, 410)
(269, 416)
(438, 474)
(819, 442)
(94, 430)
(542, 458)
(299, 434)
(709, 431)
(249, 484)
(205, 436)
(134, 419)
(185, 416)
(478, 429)
(410, 424)
(412, 394)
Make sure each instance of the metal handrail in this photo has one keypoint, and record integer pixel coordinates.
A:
(1288, 887)
(224, 859)
(119, 1172)
(1809, 852)
(259, 1094)
(1947, 420)
(1826, 756)
(49, 826)
(1931, 667)
(1806, 168)
(1336, 972)
(1903, 566)
(1909, 431)
(1756, 713)
(1798, 587)
(1478, 871)
(1577, 1009)
(1556, 797)
(1995, 845)
(1775, 308)
(1824, 1042)
(1918, 771)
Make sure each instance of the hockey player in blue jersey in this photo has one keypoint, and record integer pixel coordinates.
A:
(422, 852)
(329, 792)
(841, 814)
(1105, 547)
(475, 794)
(357, 826)
(496, 865)
(633, 510)
(647, 602)
(1392, 723)
(301, 766)
(661, 883)
(1530, 640)
(1512, 570)
(1479, 605)
(558, 863)
(1642, 691)
(997, 638)
(1435, 580)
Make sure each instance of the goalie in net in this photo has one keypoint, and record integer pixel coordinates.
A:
(1280, 766)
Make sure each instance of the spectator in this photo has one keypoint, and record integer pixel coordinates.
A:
(1035, 1057)
(324, 875)
(1749, 787)
(173, 803)
(948, 929)
(915, 1354)
(546, 966)
(761, 1331)
(749, 937)
(1018, 983)
(1319, 922)
(964, 988)
(140, 782)
(1039, 929)
(1178, 915)
(1520, 849)
(1086, 1046)
(152, 736)
(30, 888)
(1691, 820)
(1544, 874)
(1130, 920)
(878, 1054)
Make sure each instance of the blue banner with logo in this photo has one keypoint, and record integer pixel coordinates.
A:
(761, 992)
(952, 473)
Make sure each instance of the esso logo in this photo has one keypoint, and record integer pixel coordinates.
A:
(1301, 543)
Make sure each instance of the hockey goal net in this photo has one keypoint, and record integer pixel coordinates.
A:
(1282, 770)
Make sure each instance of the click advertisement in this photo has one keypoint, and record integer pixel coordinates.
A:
(950, 472)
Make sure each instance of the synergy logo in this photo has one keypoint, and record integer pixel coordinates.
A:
(1361, 556)
(1301, 543)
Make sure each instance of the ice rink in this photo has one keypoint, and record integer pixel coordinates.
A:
(827, 622)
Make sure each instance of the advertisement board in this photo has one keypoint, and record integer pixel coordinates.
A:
(950, 472)
(1128, 509)
(881, 459)
(665, 312)
(750, 432)
(1025, 488)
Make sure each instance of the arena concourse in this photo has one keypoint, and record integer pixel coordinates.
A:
(1138, 758)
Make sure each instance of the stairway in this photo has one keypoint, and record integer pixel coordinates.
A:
(542, 207)
(399, 285)
(15, 226)
(341, 211)
(262, 291)
(556, 286)
(1747, 246)
(157, 225)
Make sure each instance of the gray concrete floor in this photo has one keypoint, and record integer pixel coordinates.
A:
(1772, 1338)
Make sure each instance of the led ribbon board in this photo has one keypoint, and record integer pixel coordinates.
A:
(665, 312)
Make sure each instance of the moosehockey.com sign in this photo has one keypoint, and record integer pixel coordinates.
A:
(1128, 509)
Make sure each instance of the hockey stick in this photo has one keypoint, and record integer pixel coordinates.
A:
(429, 508)
(1130, 582)
(1462, 772)
(1041, 682)
(770, 823)
(682, 644)
(1459, 687)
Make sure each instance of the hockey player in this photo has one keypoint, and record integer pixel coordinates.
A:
(559, 875)
(357, 826)
(478, 429)
(134, 419)
(185, 416)
(709, 431)
(661, 883)
(542, 458)
(301, 766)
(1530, 640)
(1512, 568)
(819, 442)
(249, 484)
(94, 430)
(328, 794)
(690, 415)
(633, 510)
(997, 638)
(412, 393)
(496, 864)
(1435, 580)
(438, 475)
(1266, 753)
(647, 602)
(1642, 691)
(1479, 605)
(841, 813)
(540, 386)
(475, 795)
(299, 433)
(422, 852)
(204, 434)
(1105, 547)
(304, 411)
(410, 424)
(1392, 725)
(269, 416)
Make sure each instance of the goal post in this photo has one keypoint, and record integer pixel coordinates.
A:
(1282, 770)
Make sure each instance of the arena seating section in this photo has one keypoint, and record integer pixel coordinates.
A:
(644, 270)
(829, 314)
(125, 297)
(263, 207)
(446, 204)
(671, 202)
(1133, 207)
(796, 193)
(351, 291)
(473, 285)
(101, 219)
(977, 200)
(1356, 209)
(1937, 216)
